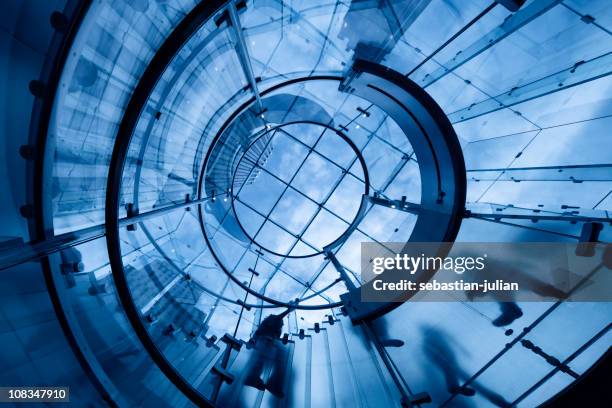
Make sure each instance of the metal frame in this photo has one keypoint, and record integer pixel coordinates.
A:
(353, 223)
(361, 213)
(406, 159)
(339, 244)
(513, 23)
(366, 209)
(243, 108)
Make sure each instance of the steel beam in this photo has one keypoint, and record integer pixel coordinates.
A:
(343, 274)
(453, 37)
(33, 251)
(243, 52)
(563, 167)
(579, 73)
(401, 205)
(510, 25)
(570, 173)
(538, 217)
(522, 334)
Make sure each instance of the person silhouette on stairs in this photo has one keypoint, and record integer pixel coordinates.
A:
(380, 329)
(442, 352)
(268, 351)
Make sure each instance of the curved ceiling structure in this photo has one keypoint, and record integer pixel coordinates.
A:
(189, 185)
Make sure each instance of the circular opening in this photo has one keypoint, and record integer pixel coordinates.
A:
(284, 181)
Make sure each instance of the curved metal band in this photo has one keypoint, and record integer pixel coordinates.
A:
(201, 13)
(441, 166)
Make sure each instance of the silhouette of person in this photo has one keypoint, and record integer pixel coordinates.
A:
(440, 350)
(509, 269)
(72, 260)
(268, 351)
(379, 328)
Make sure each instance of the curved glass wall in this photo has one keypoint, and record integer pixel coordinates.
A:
(254, 172)
(115, 42)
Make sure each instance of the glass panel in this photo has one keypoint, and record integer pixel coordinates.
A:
(588, 357)
(111, 51)
(322, 380)
(587, 319)
(557, 39)
(91, 295)
(376, 388)
(345, 377)
(558, 382)
(300, 389)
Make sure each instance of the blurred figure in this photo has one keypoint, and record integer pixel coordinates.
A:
(268, 350)
(72, 260)
(440, 350)
(510, 311)
(379, 327)
(510, 269)
(441, 353)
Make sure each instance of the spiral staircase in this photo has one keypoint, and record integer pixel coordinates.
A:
(176, 171)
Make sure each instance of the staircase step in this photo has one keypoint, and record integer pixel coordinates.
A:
(348, 391)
